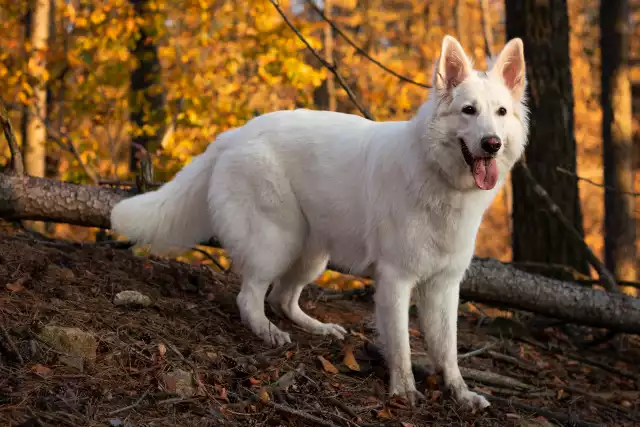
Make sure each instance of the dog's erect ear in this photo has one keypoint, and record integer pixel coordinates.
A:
(453, 65)
(511, 68)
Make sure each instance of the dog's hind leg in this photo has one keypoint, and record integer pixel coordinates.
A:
(437, 303)
(285, 295)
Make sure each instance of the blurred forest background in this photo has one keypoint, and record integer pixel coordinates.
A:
(88, 82)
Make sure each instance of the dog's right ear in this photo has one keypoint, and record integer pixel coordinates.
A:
(453, 66)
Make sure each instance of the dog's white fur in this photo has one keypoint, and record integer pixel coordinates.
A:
(291, 189)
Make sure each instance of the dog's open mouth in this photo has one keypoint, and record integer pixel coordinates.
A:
(483, 169)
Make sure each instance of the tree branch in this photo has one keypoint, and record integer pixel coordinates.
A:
(17, 164)
(333, 68)
(606, 278)
(596, 184)
(360, 50)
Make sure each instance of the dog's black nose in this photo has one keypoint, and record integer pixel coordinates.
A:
(491, 144)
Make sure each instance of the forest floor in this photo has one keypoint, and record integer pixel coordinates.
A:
(186, 359)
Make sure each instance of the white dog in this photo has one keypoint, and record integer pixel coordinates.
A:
(400, 200)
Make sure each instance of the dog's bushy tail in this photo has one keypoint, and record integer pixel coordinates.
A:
(174, 217)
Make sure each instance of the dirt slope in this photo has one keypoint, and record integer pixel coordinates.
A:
(186, 360)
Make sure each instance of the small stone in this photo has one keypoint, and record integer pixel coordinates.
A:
(179, 382)
(205, 354)
(131, 298)
(74, 343)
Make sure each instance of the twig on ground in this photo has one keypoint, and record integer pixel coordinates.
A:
(581, 359)
(606, 278)
(11, 344)
(17, 164)
(594, 183)
(132, 406)
(551, 415)
(602, 401)
(333, 68)
(300, 414)
(487, 377)
(478, 351)
(346, 409)
(361, 51)
(513, 360)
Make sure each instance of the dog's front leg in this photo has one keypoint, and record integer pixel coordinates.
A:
(437, 303)
(393, 292)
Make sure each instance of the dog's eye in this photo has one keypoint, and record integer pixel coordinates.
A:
(502, 111)
(469, 109)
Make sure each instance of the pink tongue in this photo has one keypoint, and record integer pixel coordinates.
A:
(485, 173)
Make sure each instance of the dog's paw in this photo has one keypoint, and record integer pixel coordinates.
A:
(275, 337)
(473, 401)
(329, 329)
(411, 395)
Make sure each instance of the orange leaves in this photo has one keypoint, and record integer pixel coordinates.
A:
(41, 370)
(349, 359)
(17, 286)
(328, 366)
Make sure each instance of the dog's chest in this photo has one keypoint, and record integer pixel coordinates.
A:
(426, 241)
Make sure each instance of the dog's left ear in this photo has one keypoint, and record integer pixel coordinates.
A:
(511, 68)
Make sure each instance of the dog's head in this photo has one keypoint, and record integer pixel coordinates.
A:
(478, 128)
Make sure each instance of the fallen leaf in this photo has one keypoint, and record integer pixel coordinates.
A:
(414, 332)
(403, 424)
(385, 413)
(432, 382)
(264, 395)
(162, 350)
(254, 381)
(360, 335)
(16, 286)
(289, 354)
(349, 359)
(223, 394)
(328, 366)
(435, 395)
(41, 369)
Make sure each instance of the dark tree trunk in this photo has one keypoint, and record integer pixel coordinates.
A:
(146, 101)
(537, 235)
(619, 224)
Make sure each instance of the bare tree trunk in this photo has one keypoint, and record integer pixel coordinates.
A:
(619, 223)
(538, 236)
(328, 53)
(486, 28)
(26, 35)
(324, 96)
(459, 22)
(36, 132)
(487, 281)
(146, 102)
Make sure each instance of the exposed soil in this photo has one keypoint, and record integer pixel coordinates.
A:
(193, 325)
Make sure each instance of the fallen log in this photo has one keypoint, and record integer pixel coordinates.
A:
(488, 281)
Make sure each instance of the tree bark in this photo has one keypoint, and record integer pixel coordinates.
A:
(537, 235)
(619, 223)
(146, 99)
(34, 146)
(487, 281)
